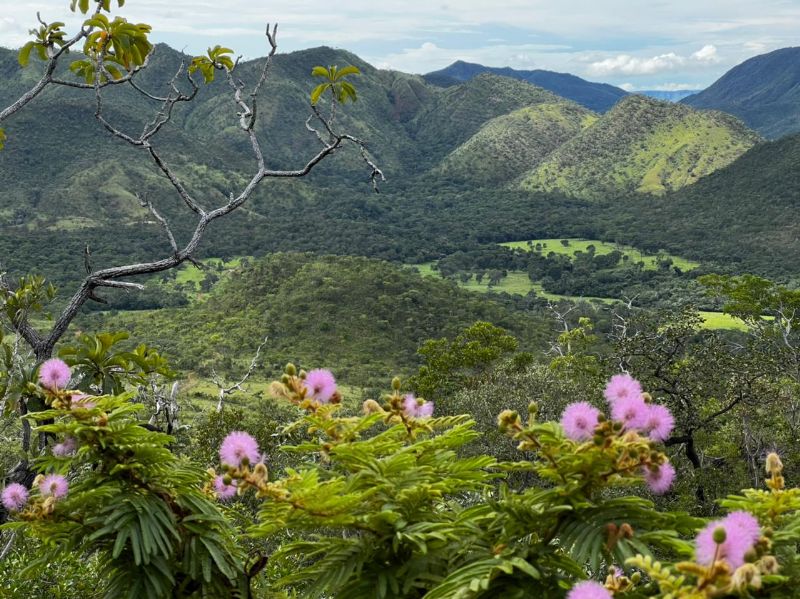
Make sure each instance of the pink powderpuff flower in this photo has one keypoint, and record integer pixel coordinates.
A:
(224, 492)
(53, 485)
(238, 447)
(589, 589)
(747, 523)
(741, 533)
(14, 497)
(320, 385)
(54, 374)
(416, 409)
(83, 401)
(425, 410)
(579, 420)
(632, 412)
(622, 386)
(65, 448)
(660, 479)
(660, 422)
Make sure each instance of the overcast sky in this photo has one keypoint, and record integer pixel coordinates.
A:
(637, 44)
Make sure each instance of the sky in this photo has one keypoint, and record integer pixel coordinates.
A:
(634, 44)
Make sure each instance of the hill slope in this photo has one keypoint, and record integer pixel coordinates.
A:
(458, 112)
(598, 97)
(763, 91)
(642, 145)
(514, 143)
(363, 318)
(743, 216)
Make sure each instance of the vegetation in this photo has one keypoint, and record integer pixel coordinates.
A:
(531, 445)
(642, 145)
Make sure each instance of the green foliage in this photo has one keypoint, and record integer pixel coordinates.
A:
(47, 37)
(100, 367)
(110, 45)
(138, 507)
(32, 295)
(84, 5)
(217, 57)
(457, 363)
(341, 90)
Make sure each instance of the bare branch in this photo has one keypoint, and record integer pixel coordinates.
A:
(229, 390)
(149, 205)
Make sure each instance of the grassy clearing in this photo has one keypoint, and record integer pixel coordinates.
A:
(189, 273)
(516, 283)
(601, 248)
(720, 320)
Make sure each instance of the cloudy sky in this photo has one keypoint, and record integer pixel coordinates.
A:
(637, 44)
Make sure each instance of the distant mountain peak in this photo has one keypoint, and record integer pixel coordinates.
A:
(598, 97)
(764, 91)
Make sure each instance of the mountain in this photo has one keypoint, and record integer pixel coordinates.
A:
(743, 216)
(668, 96)
(513, 143)
(458, 112)
(57, 154)
(642, 145)
(763, 91)
(598, 97)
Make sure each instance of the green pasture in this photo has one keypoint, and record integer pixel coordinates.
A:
(601, 248)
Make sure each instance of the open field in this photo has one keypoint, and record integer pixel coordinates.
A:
(516, 283)
(601, 248)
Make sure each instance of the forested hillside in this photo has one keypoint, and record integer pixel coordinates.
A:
(642, 145)
(763, 91)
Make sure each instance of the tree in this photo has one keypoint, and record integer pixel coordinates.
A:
(116, 52)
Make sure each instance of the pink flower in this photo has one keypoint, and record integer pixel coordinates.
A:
(224, 492)
(579, 420)
(238, 447)
(631, 411)
(660, 478)
(747, 523)
(589, 589)
(54, 374)
(81, 400)
(14, 497)
(425, 410)
(414, 408)
(741, 533)
(320, 385)
(622, 386)
(53, 485)
(65, 448)
(659, 422)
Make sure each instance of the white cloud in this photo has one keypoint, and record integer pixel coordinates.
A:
(626, 64)
(707, 53)
(430, 57)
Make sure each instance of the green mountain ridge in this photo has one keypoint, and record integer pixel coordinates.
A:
(597, 97)
(512, 143)
(642, 145)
